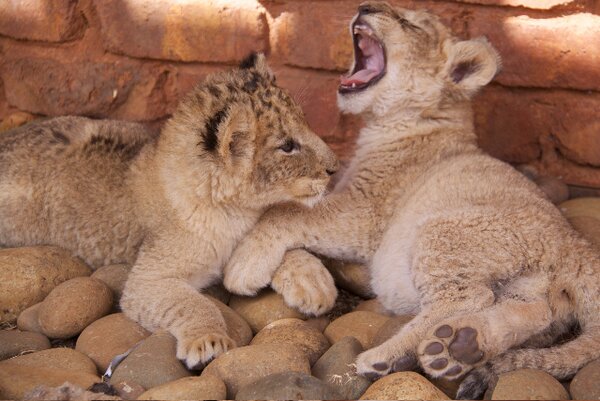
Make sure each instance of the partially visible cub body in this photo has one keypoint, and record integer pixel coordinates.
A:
(174, 206)
(491, 269)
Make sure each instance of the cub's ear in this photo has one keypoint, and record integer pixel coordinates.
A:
(471, 64)
(236, 135)
(258, 62)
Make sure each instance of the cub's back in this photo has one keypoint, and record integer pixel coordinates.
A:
(65, 179)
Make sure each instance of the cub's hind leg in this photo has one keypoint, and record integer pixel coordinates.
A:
(459, 343)
(399, 352)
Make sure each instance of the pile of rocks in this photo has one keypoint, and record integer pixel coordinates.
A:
(56, 300)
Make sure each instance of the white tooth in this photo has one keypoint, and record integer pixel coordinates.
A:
(354, 84)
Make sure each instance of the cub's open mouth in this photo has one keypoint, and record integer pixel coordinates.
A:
(369, 60)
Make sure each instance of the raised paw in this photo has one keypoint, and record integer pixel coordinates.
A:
(374, 363)
(305, 283)
(450, 352)
(196, 353)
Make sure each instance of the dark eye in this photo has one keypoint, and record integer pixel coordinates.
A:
(289, 146)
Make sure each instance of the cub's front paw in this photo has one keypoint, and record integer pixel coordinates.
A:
(251, 267)
(305, 283)
(197, 352)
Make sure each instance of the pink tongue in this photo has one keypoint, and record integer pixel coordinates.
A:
(373, 56)
(361, 77)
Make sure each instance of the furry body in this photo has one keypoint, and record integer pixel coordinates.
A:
(491, 268)
(174, 206)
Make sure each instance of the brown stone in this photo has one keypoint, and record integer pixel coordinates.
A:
(108, 337)
(287, 386)
(361, 325)
(237, 328)
(128, 390)
(114, 276)
(265, 308)
(44, 20)
(152, 363)
(73, 305)
(320, 323)
(28, 320)
(372, 305)
(586, 383)
(352, 277)
(15, 342)
(28, 274)
(56, 358)
(389, 329)
(17, 380)
(206, 387)
(294, 332)
(244, 365)
(528, 384)
(403, 386)
(336, 368)
(209, 31)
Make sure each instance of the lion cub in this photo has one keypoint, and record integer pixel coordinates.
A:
(176, 205)
(489, 266)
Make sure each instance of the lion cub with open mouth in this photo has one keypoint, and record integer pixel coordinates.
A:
(490, 267)
(175, 206)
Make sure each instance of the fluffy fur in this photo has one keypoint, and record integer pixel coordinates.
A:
(491, 268)
(175, 205)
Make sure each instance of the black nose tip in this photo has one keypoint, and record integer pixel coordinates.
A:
(366, 9)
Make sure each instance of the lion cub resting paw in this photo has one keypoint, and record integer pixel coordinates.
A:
(492, 270)
(175, 205)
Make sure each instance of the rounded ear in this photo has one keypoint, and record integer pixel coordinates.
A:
(236, 135)
(471, 64)
(258, 62)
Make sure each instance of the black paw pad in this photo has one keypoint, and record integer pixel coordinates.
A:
(453, 371)
(380, 366)
(407, 362)
(444, 331)
(465, 348)
(439, 363)
(434, 348)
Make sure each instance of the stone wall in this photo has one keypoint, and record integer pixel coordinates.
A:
(133, 59)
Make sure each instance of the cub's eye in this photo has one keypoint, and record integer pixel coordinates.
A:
(290, 146)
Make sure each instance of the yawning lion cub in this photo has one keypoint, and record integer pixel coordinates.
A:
(491, 268)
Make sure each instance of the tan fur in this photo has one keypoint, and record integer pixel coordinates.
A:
(175, 205)
(451, 234)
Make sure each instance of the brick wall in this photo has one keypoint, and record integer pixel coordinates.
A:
(133, 59)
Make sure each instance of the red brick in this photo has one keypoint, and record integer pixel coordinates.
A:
(533, 4)
(48, 87)
(210, 31)
(554, 125)
(43, 20)
(559, 52)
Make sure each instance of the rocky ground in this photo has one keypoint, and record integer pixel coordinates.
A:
(61, 323)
